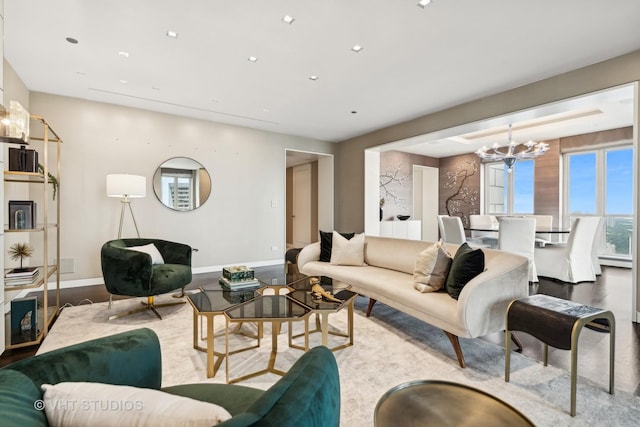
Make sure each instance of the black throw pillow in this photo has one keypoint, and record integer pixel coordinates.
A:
(467, 264)
(326, 242)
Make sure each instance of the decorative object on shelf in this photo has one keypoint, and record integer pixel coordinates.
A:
(20, 251)
(24, 319)
(52, 179)
(510, 157)
(319, 292)
(22, 214)
(23, 159)
(403, 217)
(126, 187)
(238, 273)
(14, 125)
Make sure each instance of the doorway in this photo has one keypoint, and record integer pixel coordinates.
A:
(309, 196)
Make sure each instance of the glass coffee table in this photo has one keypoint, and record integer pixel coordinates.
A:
(212, 301)
(300, 291)
(274, 309)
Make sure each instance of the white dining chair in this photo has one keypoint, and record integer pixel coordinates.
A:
(487, 222)
(594, 250)
(451, 229)
(517, 235)
(543, 223)
(573, 262)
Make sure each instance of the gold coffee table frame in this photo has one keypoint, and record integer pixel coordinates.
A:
(301, 292)
(248, 312)
(214, 358)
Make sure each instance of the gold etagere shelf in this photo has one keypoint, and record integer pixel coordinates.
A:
(47, 272)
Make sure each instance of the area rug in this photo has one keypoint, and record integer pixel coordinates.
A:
(390, 348)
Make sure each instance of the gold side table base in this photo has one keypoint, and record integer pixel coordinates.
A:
(275, 330)
(215, 358)
(322, 325)
(578, 325)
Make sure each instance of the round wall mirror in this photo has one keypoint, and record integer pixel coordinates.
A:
(182, 184)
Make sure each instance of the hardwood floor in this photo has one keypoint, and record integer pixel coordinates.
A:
(611, 291)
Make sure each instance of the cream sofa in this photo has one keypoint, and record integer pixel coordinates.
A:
(388, 278)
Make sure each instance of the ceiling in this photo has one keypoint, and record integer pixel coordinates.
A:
(414, 60)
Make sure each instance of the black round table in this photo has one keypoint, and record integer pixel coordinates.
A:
(442, 403)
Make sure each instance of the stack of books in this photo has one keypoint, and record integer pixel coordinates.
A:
(21, 276)
(238, 277)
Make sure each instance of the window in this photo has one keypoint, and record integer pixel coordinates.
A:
(178, 188)
(600, 183)
(509, 192)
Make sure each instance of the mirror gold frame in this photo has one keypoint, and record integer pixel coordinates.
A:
(182, 184)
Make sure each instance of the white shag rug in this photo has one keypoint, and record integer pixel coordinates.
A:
(390, 348)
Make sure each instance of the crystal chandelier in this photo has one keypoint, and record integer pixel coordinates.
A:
(511, 156)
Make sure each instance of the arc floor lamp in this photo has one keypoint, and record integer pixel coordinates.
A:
(126, 187)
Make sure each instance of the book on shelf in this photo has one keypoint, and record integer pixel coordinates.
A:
(238, 284)
(21, 280)
(22, 272)
(24, 319)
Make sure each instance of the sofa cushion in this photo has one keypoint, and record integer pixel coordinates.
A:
(432, 267)
(467, 264)
(326, 243)
(348, 251)
(19, 398)
(86, 404)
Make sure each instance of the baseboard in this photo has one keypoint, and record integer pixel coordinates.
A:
(78, 283)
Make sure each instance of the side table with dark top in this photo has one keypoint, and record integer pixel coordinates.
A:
(212, 301)
(558, 323)
(274, 309)
(322, 307)
(427, 403)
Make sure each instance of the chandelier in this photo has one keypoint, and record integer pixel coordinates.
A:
(511, 156)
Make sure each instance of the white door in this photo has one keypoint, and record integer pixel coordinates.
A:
(425, 200)
(301, 205)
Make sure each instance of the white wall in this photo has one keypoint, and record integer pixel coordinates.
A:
(236, 225)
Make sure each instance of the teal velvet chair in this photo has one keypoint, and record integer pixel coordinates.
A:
(307, 396)
(131, 273)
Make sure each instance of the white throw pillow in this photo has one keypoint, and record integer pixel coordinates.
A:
(156, 256)
(432, 267)
(95, 404)
(347, 251)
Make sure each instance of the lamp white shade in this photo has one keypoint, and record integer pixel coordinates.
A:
(123, 185)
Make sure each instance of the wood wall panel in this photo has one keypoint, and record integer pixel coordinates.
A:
(546, 199)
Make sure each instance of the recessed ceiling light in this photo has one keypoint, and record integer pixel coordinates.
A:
(357, 48)
(354, 112)
(122, 53)
(424, 3)
(252, 59)
(155, 88)
(266, 110)
(288, 19)
(81, 73)
(172, 34)
(72, 40)
(124, 81)
(313, 78)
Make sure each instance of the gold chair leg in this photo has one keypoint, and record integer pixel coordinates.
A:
(148, 305)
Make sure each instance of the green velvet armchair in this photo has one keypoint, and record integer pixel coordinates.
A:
(307, 396)
(132, 273)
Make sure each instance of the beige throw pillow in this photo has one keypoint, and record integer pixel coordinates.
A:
(432, 267)
(96, 404)
(347, 251)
